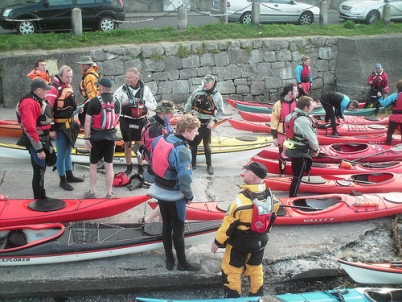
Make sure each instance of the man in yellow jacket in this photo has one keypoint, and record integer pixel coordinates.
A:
(88, 88)
(244, 233)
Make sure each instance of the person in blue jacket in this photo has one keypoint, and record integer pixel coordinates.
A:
(304, 76)
(171, 162)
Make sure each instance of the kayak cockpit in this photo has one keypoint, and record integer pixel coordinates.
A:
(21, 237)
(383, 294)
(310, 204)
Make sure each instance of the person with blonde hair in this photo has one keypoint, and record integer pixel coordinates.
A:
(62, 100)
(171, 163)
(304, 76)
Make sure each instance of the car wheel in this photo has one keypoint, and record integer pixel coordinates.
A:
(372, 17)
(26, 27)
(306, 18)
(245, 18)
(106, 23)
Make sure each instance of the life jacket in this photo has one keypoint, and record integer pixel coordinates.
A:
(136, 106)
(204, 103)
(160, 156)
(378, 80)
(286, 108)
(65, 104)
(290, 126)
(146, 140)
(107, 118)
(45, 117)
(263, 210)
(397, 105)
(305, 74)
(83, 89)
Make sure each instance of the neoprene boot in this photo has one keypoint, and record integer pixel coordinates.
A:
(129, 169)
(72, 178)
(140, 169)
(64, 184)
(169, 261)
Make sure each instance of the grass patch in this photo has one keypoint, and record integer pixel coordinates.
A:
(215, 31)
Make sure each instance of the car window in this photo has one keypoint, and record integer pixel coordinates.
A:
(89, 1)
(281, 1)
(60, 2)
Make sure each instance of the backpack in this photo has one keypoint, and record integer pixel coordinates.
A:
(120, 179)
(107, 118)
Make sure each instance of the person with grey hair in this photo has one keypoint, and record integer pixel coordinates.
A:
(135, 99)
(62, 99)
(206, 103)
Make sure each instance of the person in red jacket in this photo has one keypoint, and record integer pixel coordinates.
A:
(378, 82)
(35, 116)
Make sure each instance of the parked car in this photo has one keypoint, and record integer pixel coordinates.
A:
(271, 11)
(45, 15)
(369, 11)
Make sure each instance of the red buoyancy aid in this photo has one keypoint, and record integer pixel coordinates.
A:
(305, 74)
(160, 156)
(107, 118)
(287, 108)
(290, 126)
(378, 80)
(146, 140)
(263, 211)
(397, 105)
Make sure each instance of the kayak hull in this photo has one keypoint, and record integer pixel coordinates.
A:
(313, 209)
(346, 184)
(56, 243)
(18, 211)
(333, 169)
(373, 273)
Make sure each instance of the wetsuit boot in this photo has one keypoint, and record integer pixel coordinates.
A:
(64, 184)
(72, 178)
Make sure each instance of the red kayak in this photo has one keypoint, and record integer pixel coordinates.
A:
(348, 119)
(334, 169)
(335, 153)
(343, 130)
(31, 211)
(375, 139)
(346, 184)
(10, 128)
(319, 209)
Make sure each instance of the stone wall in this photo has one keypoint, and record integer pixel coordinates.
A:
(254, 70)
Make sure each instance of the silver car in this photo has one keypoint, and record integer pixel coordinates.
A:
(271, 11)
(369, 11)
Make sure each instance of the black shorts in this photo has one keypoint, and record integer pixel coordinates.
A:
(131, 128)
(102, 149)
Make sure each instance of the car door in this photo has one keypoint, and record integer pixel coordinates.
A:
(285, 11)
(266, 10)
(395, 9)
(56, 14)
(90, 10)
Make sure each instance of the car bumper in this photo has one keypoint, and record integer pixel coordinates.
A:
(351, 17)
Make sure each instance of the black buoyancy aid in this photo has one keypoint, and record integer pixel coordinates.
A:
(397, 105)
(136, 107)
(204, 103)
(46, 111)
(65, 103)
(305, 74)
(83, 89)
(263, 214)
(107, 118)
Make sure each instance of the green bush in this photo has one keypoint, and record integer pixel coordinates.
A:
(349, 24)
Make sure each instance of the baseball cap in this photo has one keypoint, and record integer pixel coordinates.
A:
(378, 65)
(257, 168)
(208, 78)
(39, 83)
(105, 82)
(165, 106)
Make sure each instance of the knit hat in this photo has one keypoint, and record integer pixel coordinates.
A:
(258, 169)
(105, 82)
(378, 65)
(85, 60)
(165, 106)
(209, 78)
(39, 83)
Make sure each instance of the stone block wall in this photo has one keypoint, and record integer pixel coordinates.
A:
(254, 70)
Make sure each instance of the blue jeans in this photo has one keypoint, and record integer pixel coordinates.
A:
(64, 149)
